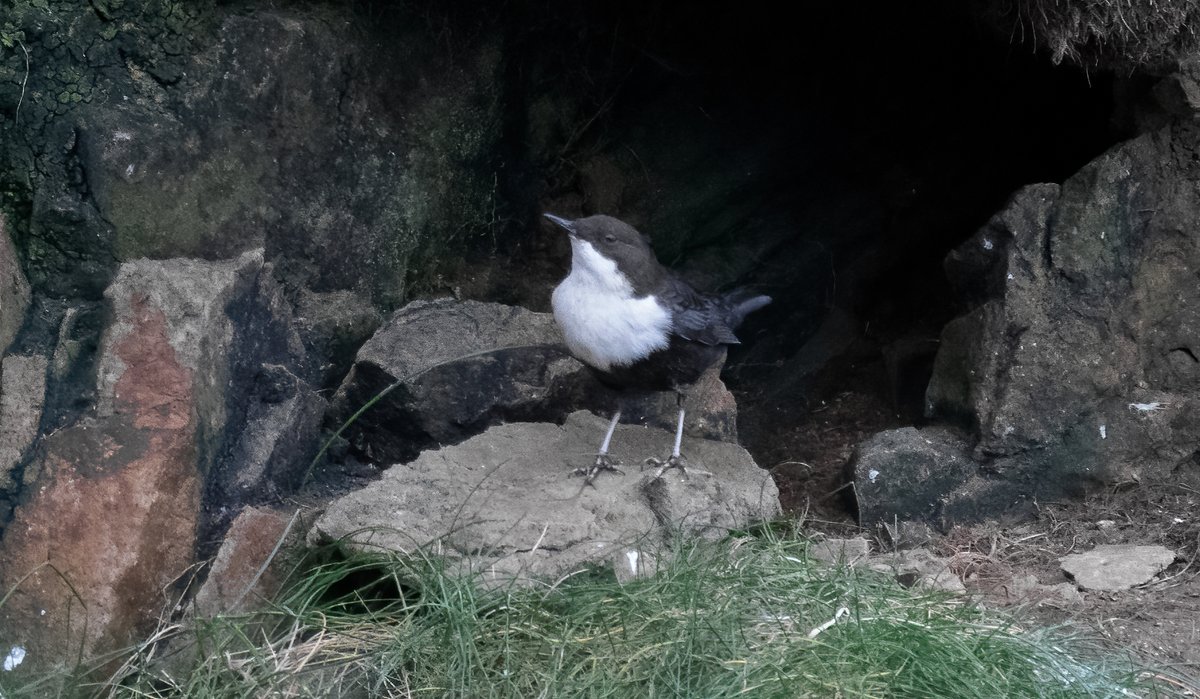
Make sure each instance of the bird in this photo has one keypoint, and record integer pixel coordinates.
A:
(637, 325)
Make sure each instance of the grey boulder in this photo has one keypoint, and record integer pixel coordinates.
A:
(905, 474)
(504, 504)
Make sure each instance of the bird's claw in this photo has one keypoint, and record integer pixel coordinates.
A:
(673, 461)
(603, 462)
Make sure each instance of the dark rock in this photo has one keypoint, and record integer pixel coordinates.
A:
(1075, 364)
(350, 211)
(462, 366)
(1178, 94)
(187, 131)
(1006, 254)
(14, 291)
(711, 409)
(978, 269)
(333, 325)
(905, 474)
(69, 333)
(504, 504)
(62, 221)
(281, 434)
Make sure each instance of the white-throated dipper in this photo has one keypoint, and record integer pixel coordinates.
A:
(636, 324)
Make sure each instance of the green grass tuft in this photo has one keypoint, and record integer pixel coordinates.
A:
(744, 617)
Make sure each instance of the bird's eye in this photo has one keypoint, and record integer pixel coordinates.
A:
(610, 238)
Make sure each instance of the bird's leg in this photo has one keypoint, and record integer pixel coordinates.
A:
(676, 459)
(603, 462)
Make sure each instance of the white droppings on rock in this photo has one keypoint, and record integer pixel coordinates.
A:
(15, 657)
(872, 474)
(632, 557)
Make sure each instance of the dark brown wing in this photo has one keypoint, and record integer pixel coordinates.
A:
(698, 317)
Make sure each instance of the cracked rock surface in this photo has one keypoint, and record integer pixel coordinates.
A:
(504, 502)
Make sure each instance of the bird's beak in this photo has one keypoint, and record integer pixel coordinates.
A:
(565, 224)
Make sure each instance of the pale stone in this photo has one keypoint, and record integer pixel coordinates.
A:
(504, 502)
(1117, 567)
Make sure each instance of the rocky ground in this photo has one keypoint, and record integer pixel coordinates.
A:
(1017, 563)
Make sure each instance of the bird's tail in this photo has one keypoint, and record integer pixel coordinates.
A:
(743, 302)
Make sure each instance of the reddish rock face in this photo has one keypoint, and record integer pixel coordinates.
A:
(115, 515)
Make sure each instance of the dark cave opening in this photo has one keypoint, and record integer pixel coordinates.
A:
(832, 163)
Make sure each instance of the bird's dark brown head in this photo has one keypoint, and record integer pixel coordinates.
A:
(619, 242)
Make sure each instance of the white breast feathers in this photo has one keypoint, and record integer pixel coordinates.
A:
(603, 323)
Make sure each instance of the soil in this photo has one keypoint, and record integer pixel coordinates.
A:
(1158, 621)
(805, 436)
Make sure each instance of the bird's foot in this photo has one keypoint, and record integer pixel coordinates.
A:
(603, 462)
(673, 461)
